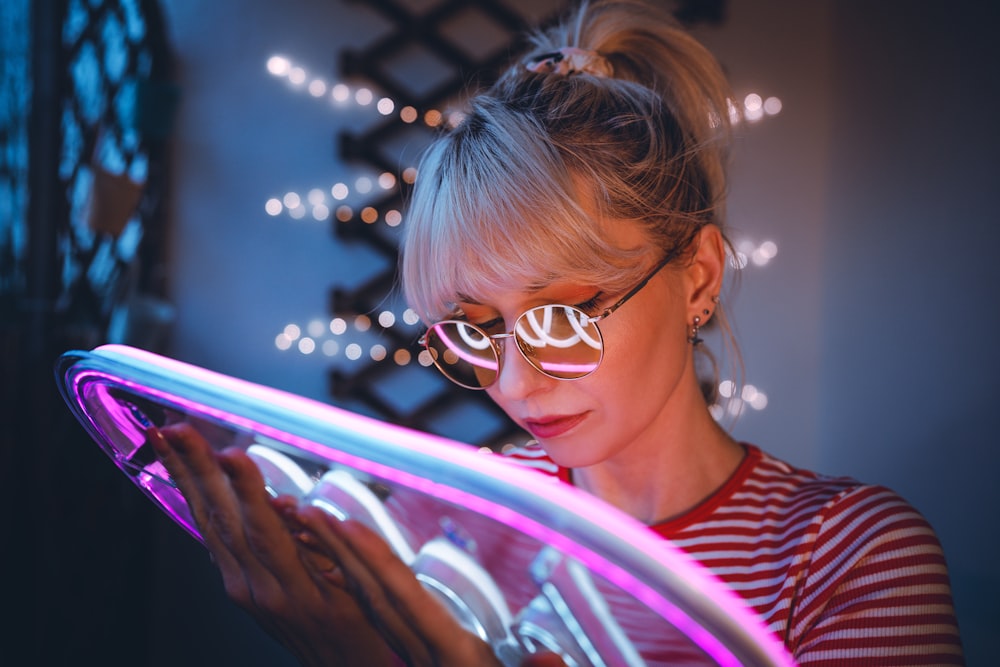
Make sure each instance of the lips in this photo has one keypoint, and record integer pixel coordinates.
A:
(550, 427)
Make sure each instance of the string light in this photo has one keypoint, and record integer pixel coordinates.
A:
(734, 402)
(752, 108)
(278, 65)
(387, 180)
(273, 206)
(408, 114)
(293, 204)
(747, 252)
(432, 118)
(756, 107)
(317, 88)
(393, 218)
(733, 399)
(327, 336)
(340, 94)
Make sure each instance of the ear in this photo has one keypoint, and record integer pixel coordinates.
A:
(705, 273)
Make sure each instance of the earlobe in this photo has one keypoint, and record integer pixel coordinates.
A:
(705, 274)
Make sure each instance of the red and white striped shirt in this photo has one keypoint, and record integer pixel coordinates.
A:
(843, 573)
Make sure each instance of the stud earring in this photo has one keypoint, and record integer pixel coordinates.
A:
(694, 339)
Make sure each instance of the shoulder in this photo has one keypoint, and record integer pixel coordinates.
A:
(868, 535)
(841, 507)
(866, 562)
(825, 502)
(843, 518)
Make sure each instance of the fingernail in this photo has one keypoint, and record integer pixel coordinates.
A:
(305, 537)
(156, 439)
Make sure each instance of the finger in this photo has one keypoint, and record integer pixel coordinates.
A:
(165, 452)
(414, 603)
(268, 525)
(364, 586)
(416, 622)
(315, 556)
(196, 470)
(178, 446)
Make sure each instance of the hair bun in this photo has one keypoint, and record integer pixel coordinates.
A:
(571, 60)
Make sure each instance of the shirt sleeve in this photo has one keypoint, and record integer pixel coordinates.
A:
(875, 589)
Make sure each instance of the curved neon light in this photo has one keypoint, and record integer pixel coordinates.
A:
(609, 543)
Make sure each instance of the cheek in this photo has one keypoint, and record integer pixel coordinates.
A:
(649, 344)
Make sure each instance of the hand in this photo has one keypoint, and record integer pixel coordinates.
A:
(417, 626)
(288, 586)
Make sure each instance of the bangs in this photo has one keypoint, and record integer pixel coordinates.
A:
(498, 211)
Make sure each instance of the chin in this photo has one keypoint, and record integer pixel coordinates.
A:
(568, 454)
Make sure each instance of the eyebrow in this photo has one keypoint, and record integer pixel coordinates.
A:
(461, 297)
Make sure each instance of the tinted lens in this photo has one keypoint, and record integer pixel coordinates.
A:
(464, 353)
(560, 341)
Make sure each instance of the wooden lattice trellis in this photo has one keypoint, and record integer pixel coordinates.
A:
(434, 35)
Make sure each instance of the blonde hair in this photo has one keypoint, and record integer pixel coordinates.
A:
(519, 193)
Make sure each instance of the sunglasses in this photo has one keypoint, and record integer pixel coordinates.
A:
(560, 341)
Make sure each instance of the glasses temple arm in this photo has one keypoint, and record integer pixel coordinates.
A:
(635, 290)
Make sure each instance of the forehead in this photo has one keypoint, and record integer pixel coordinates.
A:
(611, 260)
(562, 290)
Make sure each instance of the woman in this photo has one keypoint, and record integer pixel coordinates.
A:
(565, 243)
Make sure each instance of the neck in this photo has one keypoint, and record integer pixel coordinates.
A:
(668, 472)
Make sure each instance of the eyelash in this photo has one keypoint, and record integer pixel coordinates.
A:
(592, 304)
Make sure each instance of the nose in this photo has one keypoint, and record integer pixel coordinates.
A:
(518, 379)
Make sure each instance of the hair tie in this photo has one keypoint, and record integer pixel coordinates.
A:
(570, 60)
